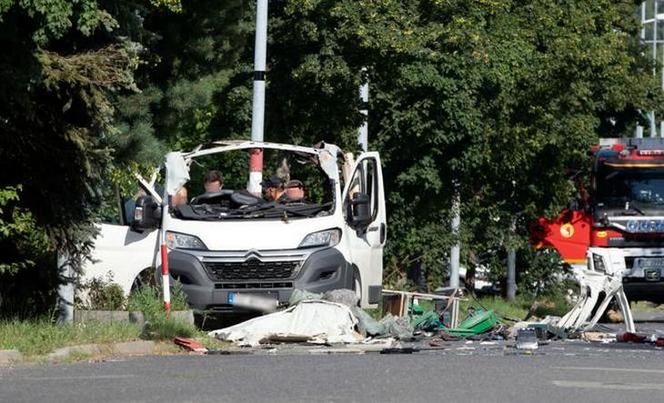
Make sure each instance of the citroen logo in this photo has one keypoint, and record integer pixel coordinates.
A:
(252, 253)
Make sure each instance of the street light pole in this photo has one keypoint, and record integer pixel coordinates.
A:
(455, 251)
(258, 103)
(363, 132)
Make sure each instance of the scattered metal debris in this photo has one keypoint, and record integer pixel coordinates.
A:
(526, 339)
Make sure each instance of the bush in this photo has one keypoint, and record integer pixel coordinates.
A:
(102, 294)
(149, 301)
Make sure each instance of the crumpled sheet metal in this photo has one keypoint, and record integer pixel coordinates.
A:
(313, 319)
(177, 172)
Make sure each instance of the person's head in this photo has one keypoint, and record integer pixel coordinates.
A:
(213, 181)
(274, 187)
(295, 190)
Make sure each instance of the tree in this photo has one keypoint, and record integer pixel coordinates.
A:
(60, 64)
(502, 97)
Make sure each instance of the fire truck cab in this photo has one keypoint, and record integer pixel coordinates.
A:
(623, 210)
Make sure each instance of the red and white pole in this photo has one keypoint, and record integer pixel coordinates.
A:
(255, 171)
(165, 277)
(163, 249)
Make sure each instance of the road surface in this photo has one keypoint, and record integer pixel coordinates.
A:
(558, 372)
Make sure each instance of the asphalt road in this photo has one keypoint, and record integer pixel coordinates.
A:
(560, 371)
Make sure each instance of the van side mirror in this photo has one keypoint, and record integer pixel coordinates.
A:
(147, 214)
(360, 210)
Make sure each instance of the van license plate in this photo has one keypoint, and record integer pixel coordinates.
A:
(259, 302)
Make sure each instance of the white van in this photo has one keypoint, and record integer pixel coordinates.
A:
(231, 242)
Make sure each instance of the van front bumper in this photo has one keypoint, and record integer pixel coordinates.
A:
(208, 277)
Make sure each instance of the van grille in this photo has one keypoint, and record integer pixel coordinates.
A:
(252, 269)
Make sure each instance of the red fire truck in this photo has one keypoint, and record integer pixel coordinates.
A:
(623, 208)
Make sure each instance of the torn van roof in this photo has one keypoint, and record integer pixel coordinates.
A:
(228, 145)
(177, 163)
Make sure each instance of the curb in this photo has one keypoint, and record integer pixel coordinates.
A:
(129, 348)
(136, 317)
(140, 347)
(64, 352)
(657, 317)
(10, 356)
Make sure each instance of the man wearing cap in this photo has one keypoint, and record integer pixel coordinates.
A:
(274, 188)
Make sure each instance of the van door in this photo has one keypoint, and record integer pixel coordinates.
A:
(366, 240)
(121, 251)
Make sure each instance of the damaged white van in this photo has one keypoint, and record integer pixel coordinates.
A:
(230, 242)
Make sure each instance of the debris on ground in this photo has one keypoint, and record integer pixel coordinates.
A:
(477, 322)
(334, 318)
(526, 339)
(190, 345)
(630, 337)
(599, 337)
(310, 320)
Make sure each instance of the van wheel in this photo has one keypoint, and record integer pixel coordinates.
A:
(357, 286)
(145, 278)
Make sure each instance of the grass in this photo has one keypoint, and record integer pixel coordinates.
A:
(644, 306)
(157, 327)
(211, 342)
(42, 336)
(519, 308)
(36, 337)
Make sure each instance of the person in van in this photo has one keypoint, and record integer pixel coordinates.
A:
(180, 197)
(213, 181)
(294, 191)
(274, 188)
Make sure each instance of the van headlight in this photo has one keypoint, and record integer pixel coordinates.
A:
(329, 237)
(176, 240)
(598, 262)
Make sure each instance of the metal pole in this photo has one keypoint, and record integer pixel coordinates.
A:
(66, 290)
(456, 248)
(511, 274)
(639, 128)
(163, 250)
(258, 105)
(653, 124)
(363, 132)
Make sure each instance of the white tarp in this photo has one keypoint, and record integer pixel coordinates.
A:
(314, 320)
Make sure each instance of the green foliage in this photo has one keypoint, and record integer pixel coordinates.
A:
(103, 294)
(42, 336)
(21, 240)
(493, 99)
(149, 301)
(60, 65)
(551, 304)
(498, 97)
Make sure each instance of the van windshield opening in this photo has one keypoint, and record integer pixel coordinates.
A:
(294, 186)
